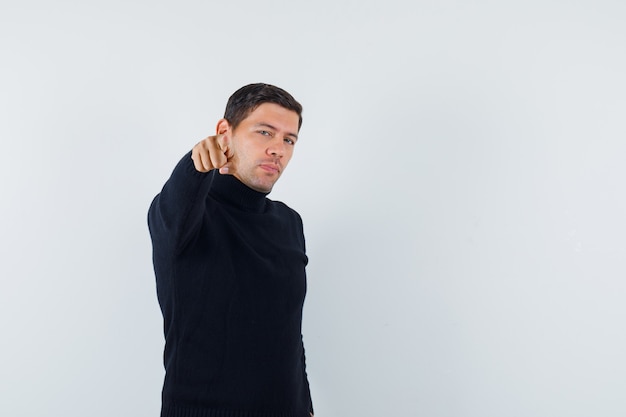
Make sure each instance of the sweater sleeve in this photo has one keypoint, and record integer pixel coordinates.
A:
(176, 212)
(306, 380)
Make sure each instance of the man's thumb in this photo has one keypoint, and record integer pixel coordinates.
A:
(227, 169)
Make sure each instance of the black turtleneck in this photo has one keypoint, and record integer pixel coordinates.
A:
(230, 274)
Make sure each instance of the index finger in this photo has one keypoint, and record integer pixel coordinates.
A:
(216, 154)
(222, 142)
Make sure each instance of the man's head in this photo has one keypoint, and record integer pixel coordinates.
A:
(245, 100)
(260, 128)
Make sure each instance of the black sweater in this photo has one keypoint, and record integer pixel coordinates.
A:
(230, 275)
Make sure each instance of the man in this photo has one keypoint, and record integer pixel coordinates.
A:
(230, 268)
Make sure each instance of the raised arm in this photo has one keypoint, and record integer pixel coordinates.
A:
(176, 212)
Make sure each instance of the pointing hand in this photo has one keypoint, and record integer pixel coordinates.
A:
(213, 153)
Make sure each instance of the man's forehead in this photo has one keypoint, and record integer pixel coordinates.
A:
(274, 116)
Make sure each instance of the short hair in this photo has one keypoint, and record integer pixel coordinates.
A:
(245, 100)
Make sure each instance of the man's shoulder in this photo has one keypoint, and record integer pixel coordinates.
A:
(279, 205)
(283, 208)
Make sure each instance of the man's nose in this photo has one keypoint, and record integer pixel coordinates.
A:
(276, 148)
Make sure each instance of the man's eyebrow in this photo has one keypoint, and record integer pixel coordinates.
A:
(262, 124)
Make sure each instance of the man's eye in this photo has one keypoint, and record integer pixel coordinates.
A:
(264, 132)
(290, 141)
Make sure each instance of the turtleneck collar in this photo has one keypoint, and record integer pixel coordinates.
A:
(228, 189)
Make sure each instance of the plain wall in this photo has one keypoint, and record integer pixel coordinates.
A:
(460, 173)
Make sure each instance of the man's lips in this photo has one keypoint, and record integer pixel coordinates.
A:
(270, 167)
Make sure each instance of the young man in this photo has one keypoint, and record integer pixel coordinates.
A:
(230, 268)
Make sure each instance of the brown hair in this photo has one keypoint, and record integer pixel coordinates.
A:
(245, 100)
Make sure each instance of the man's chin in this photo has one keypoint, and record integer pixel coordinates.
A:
(261, 187)
(264, 185)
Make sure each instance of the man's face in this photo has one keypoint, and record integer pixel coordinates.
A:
(262, 145)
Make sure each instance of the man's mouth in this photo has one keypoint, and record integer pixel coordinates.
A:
(270, 167)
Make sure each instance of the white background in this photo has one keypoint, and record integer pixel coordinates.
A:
(460, 174)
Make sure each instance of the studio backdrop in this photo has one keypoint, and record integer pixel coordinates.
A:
(460, 173)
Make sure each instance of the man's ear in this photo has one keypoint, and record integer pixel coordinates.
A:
(223, 127)
(224, 131)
